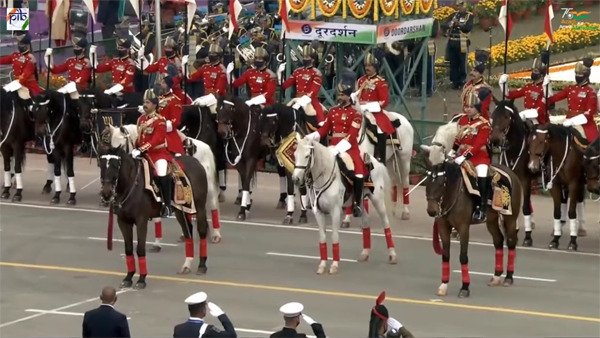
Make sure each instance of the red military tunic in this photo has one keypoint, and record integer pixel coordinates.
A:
(308, 82)
(580, 100)
(23, 67)
(260, 82)
(375, 89)
(344, 123)
(169, 107)
(472, 138)
(533, 99)
(152, 132)
(485, 104)
(78, 70)
(213, 77)
(160, 66)
(122, 71)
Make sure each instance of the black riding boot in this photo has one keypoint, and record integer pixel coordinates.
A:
(358, 196)
(480, 214)
(166, 190)
(380, 149)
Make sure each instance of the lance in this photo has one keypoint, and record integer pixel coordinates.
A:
(185, 46)
(505, 46)
(50, 14)
(142, 47)
(547, 74)
(93, 60)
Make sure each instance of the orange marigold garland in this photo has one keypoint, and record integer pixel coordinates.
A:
(298, 6)
(408, 6)
(360, 8)
(388, 7)
(329, 7)
(426, 5)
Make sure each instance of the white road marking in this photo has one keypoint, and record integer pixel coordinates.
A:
(91, 182)
(120, 240)
(305, 256)
(261, 332)
(515, 276)
(66, 313)
(89, 300)
(287, 227)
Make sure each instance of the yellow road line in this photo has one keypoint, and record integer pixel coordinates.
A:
(310, 291)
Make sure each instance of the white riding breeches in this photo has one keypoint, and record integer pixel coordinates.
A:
(482, 170)
(161, 167)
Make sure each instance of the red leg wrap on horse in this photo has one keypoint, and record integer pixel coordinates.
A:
(203, 248)
(348, 211)
(366, 238)
(143, 266)
(323, 251)
(214, 214)
(395, 194)
(189, 247)
(405, 197)
(464, 269)
(158, 229)
(512, 254)
(445, 272)
(366, 205)
(130, 260)
(388, 237)
(499, 260)
(336, 252)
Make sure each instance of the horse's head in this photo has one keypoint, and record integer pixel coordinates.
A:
(110, 162)
(226, 115)
(538, 147)
(439, 178)
(303, 159)
(41, 112)
(591, 164)
(441, 144)
(501, 120)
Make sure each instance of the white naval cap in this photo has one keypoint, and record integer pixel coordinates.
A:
(196, 298)
(292, 309)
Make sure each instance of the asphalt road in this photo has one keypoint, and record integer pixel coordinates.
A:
(54, 262)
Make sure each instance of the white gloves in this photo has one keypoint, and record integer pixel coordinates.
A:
(142, 63)
(184, 60)
(503, 79)
(567, 123)
(169, 126)
(280, 71)
(459, 160)
(314, 136)
(320, 124)
(452, 153)
(214, 309)
(48, 59)
(13, 86)
(342, 147)
(140, 52)
(308, 320)
(229, 68)
(135, 153)
(528, 114)
(546, 81)
(93, 56)
(577, 120)
(354, 97)
(93, 49)
(114, 89)
(394, 324)
(141, 109)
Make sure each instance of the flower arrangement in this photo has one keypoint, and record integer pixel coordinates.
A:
(442, 13)
(487, 8)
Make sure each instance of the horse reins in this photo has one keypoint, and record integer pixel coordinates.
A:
(12, 119)
(52, 133)
(317, 192)
(441, 201)
(553, 174)
(239, 157)
(114, 188)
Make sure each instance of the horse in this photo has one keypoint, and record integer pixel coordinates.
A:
(58, 124)
(123, 187)
(17, 128)
(551, 148)
(511, 134)
(449, 202)
(280, 120)
(591, 164)
(316, 166)
(239, 126)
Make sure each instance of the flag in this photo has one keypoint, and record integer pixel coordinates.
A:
(283, 14)
(505, 19)
(548, 21)
(92, 6)
(235, 8)
(59, 10)
(191, 10)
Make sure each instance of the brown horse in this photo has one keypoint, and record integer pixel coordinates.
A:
(553, 152)
(452, 206)
(591, 164)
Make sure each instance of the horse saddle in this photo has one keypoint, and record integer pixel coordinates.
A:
(347, 168)
(371, 129)
(182, 189)
(501, 186)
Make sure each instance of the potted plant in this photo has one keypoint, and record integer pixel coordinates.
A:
(516, 10)
(486, 12)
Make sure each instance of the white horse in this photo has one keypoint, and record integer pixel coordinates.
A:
(442, 143)
(127, 135)
(327, 192)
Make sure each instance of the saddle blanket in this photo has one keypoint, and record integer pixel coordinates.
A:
(501, 187)
(183, 198)
(372, 129)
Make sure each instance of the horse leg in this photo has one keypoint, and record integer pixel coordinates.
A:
(202, 225)
(464, 261)
(216, 225)
(581, 232)
(185, 221)
(498, 239)
(574, 192)
(222, 184)
(510, 229)
(283, 188)
(57, 185)
(303, 204)
(70, 175)
(322, 242)
(378, 201)
(142, 232)
(156, 247)
(50, 169)
(19, 156)
(366, 233)
(347, 217)
(248, 169)
(556, 193)
(527, 212)
(335, 238)
(238, 199)
(290, 198)
(127, 232)
(444, 233)
(405, 178)
(7, 179)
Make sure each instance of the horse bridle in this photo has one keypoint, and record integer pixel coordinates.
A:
(441, 213)
(590, 159)
(113, 195)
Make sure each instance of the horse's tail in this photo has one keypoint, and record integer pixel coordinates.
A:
(437, 246)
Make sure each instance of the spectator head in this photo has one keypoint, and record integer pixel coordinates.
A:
(108, 295)
(291, 314)
(197, 304)
(379, 317)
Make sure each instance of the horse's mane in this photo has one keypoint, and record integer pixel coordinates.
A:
(118, 139)
(508, 107)
(446, 134)
(557, 131)
(453, 173)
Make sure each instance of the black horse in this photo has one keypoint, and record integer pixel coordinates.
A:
(57, 123)
(16, 128)
(123, 187)
(280, 121)
(240, 128)
(591, 165)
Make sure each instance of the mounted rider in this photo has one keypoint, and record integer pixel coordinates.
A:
(470, 144)
(122, 67)
(24, 66)
(169, 106)
(212, 74)
(78, 67)
(477, 83)
(533, 92)
(152, 143)
(582, 101)
(344, 122)
(308, 80)
(259, 79)
(374, 88)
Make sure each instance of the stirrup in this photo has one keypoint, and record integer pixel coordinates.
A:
(356, 210)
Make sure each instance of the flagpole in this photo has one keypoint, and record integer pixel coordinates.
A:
(505, 44)
(93, 60)
(548, 75)
(185, 45)
(50, 13)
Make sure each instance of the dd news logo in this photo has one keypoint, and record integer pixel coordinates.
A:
(17, 19)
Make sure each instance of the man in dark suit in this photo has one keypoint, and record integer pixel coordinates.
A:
(105, 321)
(196, 327)
(291, 316)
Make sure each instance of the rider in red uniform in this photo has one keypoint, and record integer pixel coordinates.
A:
(122, 67)
(477, 83)
(169, 107)
(374, 88)
(343, 121)
(212, 74)
(581, 99)
(162, 66)
(470, 144)
(308, 80)
(78, 67)
(260, 79)
(23, 65)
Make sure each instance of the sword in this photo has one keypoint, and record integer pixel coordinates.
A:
(415, 187)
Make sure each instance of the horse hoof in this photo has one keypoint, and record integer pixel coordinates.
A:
(581, 232)
(241, 216)
(527, 242)
(363, 257)
(508, 282)
(494, 281)
(238, 201)
(71, 201)
(155, 248)
(553, 245)
(140, 285)
(572, 246)
(215, 239)
(280, 205)
(302, 220)
(405, 215)
(17, 198)
(46, 189)
(288, 220)
(201, 270)
(55, 200)
(5, 194)
(345, 225)
(333, 270)
(126, 284)
(392, 259)
(464, 293)
(442, 290)
(184, 270)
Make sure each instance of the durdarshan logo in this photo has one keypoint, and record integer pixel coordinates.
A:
(17, 19)
(575, 20)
